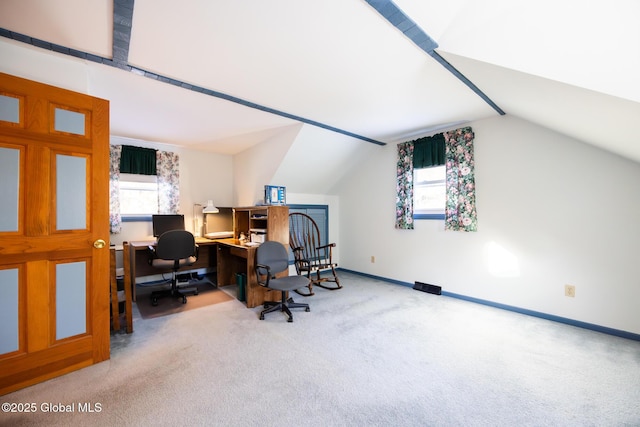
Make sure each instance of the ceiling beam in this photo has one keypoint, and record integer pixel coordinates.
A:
(396, 17)
(122, 22)
(122, 25)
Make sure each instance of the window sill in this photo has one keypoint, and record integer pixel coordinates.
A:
(428, 216)
(136, 218)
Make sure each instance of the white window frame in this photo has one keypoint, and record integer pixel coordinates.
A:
(429, 192)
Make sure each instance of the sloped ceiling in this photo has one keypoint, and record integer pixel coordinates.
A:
(224, 75)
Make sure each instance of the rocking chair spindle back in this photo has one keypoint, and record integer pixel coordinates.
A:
(310, 256)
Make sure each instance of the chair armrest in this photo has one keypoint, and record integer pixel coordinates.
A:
(330, 245)
(263, 270)
(152, 254)
(297, 257)
(328, 250)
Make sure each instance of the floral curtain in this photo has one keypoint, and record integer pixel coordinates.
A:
(404, 187)
(460, 209)
(167, 166)
(115, 221)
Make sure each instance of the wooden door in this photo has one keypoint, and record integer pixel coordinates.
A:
(54, 232)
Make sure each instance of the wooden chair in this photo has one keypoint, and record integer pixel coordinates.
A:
(124, 295)
(113, 282)
(310, 256)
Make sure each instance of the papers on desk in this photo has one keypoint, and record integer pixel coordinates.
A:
(219, 235)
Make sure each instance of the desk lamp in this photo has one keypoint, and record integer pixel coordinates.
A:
(208, 208)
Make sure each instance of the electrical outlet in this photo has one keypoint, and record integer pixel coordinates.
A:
(373, 259)
(569, 291)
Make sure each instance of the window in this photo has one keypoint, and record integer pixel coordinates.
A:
(138, 195)
(429, 192)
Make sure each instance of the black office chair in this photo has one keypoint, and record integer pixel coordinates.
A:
(271, 259)
(175, 249)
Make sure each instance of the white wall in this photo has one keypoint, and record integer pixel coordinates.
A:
(203, 176)
(254, 168)
(551, 211)
(318, 159)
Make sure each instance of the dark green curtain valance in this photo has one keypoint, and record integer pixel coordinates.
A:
(428, 151)
(138, 160)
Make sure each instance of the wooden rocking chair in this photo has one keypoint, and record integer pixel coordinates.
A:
(311, 258)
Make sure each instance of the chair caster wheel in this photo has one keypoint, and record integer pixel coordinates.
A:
(261, 317)
(184, 300)
(307, 309)
(154, 301)
(290, 320)
(195, 292)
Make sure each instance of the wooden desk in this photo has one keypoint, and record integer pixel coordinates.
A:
(227, 256)
(140, 257)
(235, 258)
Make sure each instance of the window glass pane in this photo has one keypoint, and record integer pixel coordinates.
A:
(9, 109)
(9, 188)
(9, 310)
(437, 173)
(69, 121)
(138, 194)
(71, 299)
(429, 190)
(430, 197)
(71, 192)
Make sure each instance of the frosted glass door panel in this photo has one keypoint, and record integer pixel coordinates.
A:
(8, 310)
(9, 109)
(9, 188)
(71, 299)
(69, 121)
(71, 193)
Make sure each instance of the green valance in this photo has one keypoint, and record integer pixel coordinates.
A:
(428, 151)
(138, 160)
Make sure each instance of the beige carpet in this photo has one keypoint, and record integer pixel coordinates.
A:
(372, 354)
(207, 295)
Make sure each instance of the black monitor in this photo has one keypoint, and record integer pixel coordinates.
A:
(163, 223)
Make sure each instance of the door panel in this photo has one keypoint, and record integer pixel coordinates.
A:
(70, 299)
(55, 281)
(70, 175)
(10, 333)
(9, 187)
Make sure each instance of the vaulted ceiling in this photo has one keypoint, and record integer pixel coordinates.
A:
(224, 75)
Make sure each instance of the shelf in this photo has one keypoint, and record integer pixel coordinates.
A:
(272, 221)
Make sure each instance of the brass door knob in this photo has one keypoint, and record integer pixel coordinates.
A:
(99, 244)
